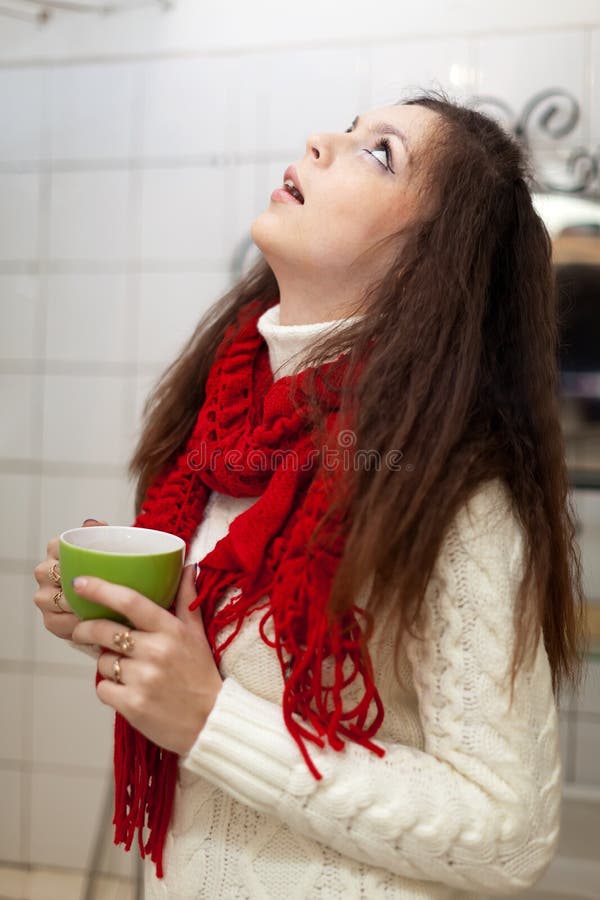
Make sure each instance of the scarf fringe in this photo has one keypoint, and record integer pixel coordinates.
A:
(268, 555)
(139, 795)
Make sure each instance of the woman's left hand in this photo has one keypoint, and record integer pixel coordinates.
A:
(169, 679)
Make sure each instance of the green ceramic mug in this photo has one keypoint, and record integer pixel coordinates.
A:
(149, 561)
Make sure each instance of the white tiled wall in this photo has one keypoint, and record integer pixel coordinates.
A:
(177, 203)
(172, 304)
(64, 809)
(132, 161)
(20, 300)
(17, 392)
(68, 497)
(22, 98)
(19, 215)
(403, 66)
(102, 130)
(19, 492)
(88, 318)
(14, 635)
(180, 117)
(89, 216)
(506, 63)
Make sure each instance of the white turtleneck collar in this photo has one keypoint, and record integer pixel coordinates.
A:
(289, 343)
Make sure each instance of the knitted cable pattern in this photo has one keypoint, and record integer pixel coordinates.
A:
(464, 804)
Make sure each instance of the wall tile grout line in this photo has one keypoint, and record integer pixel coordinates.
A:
(133, 287)
(570, 772)
(291, 46)
(112, 267)
(26, 798)
(141, 162)
(49, 768)
(181, 161)
(116, 267)
(18, 566)
(46, 668)
(80, 368)
(57, 468)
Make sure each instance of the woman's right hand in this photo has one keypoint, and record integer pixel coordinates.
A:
(59, 623)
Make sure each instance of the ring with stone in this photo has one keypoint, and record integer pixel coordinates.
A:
(124, 641)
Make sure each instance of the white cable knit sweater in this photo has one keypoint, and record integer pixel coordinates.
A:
(464, 804)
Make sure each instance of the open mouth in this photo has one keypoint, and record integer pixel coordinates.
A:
(291, 188)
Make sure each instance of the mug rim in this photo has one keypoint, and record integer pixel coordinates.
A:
(180, 543)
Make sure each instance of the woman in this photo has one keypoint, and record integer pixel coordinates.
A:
(360, 444)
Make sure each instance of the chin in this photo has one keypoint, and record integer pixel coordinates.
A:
(265, 231)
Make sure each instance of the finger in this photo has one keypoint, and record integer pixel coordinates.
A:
(60, 626)
(137, 609)
(114, 695)
(103, 633)
(45, 600)
(42, 570)
(43, 573)
(106, 667)
(60, 604)
(186, 594)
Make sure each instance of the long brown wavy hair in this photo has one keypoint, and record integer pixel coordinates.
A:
(459, 352)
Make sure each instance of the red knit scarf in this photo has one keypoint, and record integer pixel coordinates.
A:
(249, 440)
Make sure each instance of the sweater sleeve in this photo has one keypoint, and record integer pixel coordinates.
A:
(478, 807)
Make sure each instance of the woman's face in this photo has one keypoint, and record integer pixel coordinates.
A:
(356, 191)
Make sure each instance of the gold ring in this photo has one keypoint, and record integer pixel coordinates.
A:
(56, 601)
(124, 641)
(116, 667)
(53, 574)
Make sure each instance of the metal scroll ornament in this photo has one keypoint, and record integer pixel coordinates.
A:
(549, 115)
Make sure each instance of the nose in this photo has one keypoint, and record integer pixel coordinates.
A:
(318, 146)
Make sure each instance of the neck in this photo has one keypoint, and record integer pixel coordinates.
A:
(289, 345)
(308, 300)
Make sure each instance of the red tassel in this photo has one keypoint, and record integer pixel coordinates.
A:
(268, 556)
(145, 779)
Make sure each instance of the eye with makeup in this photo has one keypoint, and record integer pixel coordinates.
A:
(384, 145)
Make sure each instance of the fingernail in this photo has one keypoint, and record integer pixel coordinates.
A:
(89, 520)
(79, 582)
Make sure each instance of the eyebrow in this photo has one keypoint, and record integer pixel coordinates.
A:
(386, 128)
